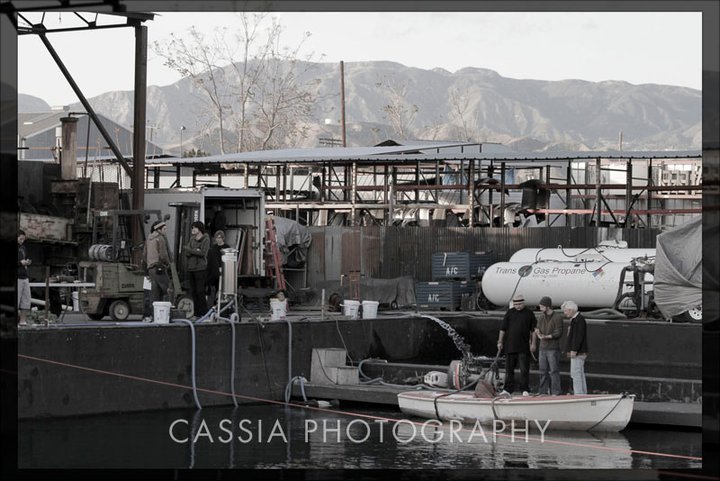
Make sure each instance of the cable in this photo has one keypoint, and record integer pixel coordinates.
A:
(262, 353)
(347, 353)
(598, 269)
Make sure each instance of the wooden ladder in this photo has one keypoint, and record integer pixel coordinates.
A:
(273, 260)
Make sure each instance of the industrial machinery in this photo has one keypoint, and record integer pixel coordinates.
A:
(118, 290)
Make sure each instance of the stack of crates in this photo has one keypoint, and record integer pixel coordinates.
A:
(454, 275)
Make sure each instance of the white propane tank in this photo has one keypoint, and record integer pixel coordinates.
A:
(589, 284)
(600, 254)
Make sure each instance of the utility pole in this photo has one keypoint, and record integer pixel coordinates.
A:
(342, 101)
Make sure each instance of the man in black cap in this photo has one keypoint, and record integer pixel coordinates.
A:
(548, 330)
(515, 338)
(196, 252)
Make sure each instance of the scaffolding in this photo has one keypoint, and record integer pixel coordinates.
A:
(419, 184)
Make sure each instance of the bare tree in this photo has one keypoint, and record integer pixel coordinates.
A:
(250, 68)
(285, 100)
(460, 109)
(198, 58)
(399, 112)
(253, 85)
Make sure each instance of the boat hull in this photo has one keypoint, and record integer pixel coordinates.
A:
(597, 412)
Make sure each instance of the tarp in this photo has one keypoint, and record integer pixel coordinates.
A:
(678, 269)
(293, 241)
(400, 290)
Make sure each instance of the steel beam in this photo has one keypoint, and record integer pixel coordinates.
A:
(88, 107)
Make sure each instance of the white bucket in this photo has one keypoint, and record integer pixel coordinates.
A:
(75, 301)
(278, 309)
(370, 309)
(161, 312)
(351, 308)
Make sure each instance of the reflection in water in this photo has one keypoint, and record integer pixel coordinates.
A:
(261, 436)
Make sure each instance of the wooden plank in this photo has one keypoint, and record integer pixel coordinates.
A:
(361, 393)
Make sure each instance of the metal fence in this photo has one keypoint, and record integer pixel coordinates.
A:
(388, 252)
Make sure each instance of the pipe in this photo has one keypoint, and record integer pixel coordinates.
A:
(192, 335)
(39, 302)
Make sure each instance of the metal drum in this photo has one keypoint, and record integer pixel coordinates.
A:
(101, 252)
(229, 271)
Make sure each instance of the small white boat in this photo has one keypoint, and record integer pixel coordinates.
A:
(597, 412)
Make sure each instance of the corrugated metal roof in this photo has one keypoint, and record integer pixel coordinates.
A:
(403, 154)
(32, 124)
(322, 153)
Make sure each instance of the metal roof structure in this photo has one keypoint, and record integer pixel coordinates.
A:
(416, 152)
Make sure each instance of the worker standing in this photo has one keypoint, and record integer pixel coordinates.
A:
(517, 341)
(196, 252)
(548, 331)
(576, 346)
(23, 282)
(157, 259)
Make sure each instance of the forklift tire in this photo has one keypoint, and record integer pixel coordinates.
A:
(119, 310)
(96, 317)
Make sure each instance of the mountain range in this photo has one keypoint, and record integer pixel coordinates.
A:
(473, 104)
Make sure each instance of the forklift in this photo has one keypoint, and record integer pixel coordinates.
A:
(119, 283)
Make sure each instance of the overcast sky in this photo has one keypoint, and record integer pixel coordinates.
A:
(642, 47)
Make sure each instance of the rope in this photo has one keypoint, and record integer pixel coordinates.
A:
(492, 403)
(333, 411)
(435, 399)
(622, 396)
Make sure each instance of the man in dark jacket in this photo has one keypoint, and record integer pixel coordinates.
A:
(157, 259)
(214, 262)
(549, 330)
(196, 252)
(576, 346)
(515, 337)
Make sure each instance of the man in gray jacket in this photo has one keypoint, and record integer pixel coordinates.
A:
(157, 259)
(549, 330)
